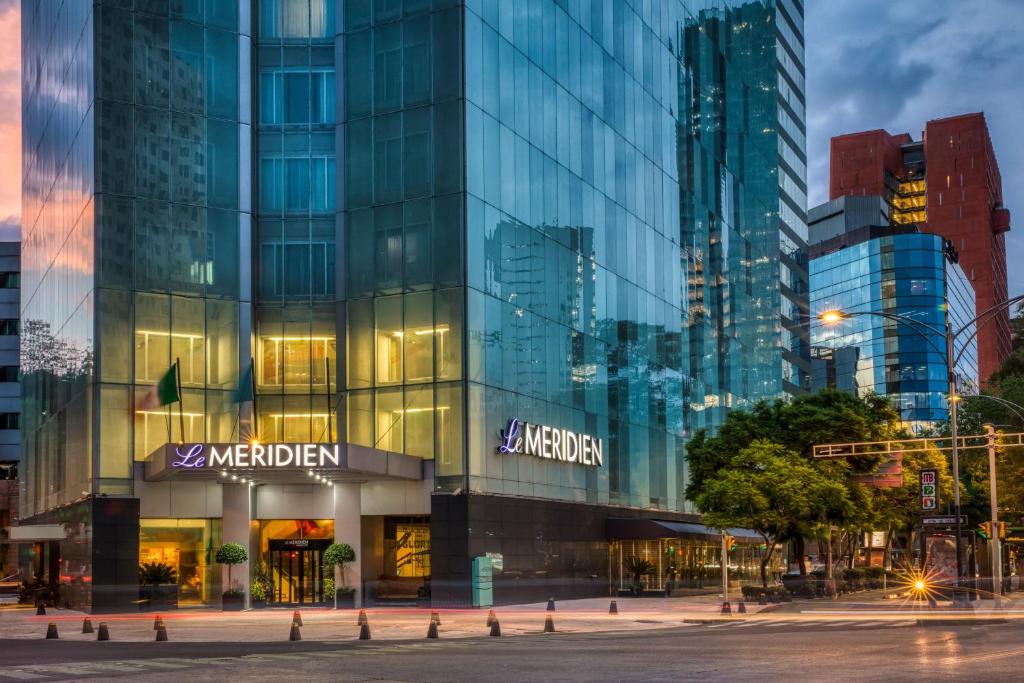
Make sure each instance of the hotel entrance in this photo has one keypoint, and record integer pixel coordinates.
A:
(296, 565)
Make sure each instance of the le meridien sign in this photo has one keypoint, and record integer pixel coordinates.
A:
(551, 443)
(243, 455)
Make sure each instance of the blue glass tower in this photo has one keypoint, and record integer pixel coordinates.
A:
(859, 267)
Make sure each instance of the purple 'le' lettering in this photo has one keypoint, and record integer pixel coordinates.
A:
(191, 458)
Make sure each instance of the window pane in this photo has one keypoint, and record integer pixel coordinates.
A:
(389, 339)
(419, 337)
(360, 335)
(360, 417)
(390, 422)
(419, 421)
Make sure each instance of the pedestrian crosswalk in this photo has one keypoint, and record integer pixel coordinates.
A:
(814, 624)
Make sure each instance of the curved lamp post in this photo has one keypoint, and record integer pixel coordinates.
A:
(835, 316)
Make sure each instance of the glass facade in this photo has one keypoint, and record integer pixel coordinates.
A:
(902, 274)
(414, 220)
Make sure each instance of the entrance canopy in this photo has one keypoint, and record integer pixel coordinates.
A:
(641, 529)
(280, 462)
(36, 533)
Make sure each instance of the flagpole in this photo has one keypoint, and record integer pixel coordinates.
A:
(330, 425)
(253, 422)
(181, 413)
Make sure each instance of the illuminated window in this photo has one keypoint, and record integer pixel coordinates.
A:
(156, 350)
(296, 361)
(298, 427)
(186, 545)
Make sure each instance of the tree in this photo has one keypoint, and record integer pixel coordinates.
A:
(771, 489)
(231, 554)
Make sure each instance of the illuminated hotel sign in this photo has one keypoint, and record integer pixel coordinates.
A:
(196, 456)
(551, 443)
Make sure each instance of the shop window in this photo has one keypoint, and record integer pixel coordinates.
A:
(412, 550)
(187, 546)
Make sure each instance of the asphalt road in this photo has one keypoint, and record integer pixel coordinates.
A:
(824, 650)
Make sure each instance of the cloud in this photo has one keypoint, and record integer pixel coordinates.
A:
(879, 64)
(10, 229)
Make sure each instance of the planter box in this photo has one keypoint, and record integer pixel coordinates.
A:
(158, 597)
(346, 599)
(232, 602)
(258, 604)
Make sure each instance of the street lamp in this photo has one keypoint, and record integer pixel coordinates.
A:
(834, 316)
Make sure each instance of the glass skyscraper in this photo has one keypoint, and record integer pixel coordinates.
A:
(405, 227)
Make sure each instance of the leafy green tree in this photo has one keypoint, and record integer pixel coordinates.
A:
(231, 554)
(771, 489)
(338, 555)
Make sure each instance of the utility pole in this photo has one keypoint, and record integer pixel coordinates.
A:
(958, 596)
(995, 548)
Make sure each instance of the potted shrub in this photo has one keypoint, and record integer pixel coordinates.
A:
(261, 591)
(338, 555)
(231, 554)
(158, 586)
(637, 567)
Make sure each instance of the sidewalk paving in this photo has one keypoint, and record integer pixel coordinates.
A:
(322, 624)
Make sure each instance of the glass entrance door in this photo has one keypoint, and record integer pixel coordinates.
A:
(297, 572)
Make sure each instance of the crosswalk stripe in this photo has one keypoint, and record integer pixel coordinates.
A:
(21, 675)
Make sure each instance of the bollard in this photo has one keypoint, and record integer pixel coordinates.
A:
(364, 631)
(362, 618)
(157, 620)
(161, 633)
(296, 618)
(295, 634)
(40, 610)
(87, 625)
(104, 632)
(51, 631)
(432, 629)
(491, 618)
(495, 628)
(613, 608)
(434, 616)
(743, 608)
(726, 609)
(549, 625)
(551, 604)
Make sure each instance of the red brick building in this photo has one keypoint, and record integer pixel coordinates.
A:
(947, 183)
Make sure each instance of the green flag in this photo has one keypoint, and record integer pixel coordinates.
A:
(244, 392)
(163, 392)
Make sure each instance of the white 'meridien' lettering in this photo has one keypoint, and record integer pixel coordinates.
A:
(533, 440)
(221, 459)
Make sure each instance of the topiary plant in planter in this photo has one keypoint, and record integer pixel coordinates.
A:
(338, 555)
(231, 554)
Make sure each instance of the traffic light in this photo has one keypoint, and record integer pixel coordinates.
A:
(1002, 529)
(986, 530)
(730, 543)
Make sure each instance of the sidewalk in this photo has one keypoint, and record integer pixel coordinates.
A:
(320, 624)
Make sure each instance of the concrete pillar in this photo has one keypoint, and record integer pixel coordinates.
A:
(237, 517)
(348, 529)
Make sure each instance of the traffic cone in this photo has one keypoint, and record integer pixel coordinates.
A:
(296, 618)
(161, 633)
(549, 625)
(104, 632)
(726, 609)
(40, 610)
(613, 608)
(434, 616)
(51, 631)
(295, 634)
(362, 618)
(551, 604)
(87, 625)
(157, 620)
(364, 631)
(432, 629)
(491, 618)
(495, 628)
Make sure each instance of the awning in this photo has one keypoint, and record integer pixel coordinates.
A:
(36, 533)
(645, 529)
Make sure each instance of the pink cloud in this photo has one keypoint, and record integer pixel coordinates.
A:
(10, 116)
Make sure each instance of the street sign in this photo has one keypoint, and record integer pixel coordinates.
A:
(943, 520)
(930, 490)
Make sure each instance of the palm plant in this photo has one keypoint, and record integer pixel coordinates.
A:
(157, 572)
(638, 567)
